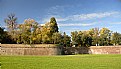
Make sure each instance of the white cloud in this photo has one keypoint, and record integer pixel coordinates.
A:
(61, 19)
(116, 23)
(55, 10)
(77, 24)
(80, 17)
(58, 9)
(58, 18)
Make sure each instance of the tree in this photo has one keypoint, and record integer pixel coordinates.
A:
(116, 38)
(94, 33)
(56, 37)
(46, 34)
(11, 22)
(75, 38)
(105, 35)
(81, 38)
(86, 40)
(48, 30)
(53, 25)
(27, 32)
(4, 37)
(45, 39)
(38, 35)
(66, 40)
(1, 34)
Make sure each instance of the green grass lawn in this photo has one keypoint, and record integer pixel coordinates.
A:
(61, 62)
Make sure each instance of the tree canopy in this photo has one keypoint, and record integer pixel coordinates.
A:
(32, 32)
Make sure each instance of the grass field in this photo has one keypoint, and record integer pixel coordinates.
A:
(61, 62)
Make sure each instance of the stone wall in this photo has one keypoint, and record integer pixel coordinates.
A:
(93, 50)
(105, 50)
(51, 49)
(20, 49)
(76, 50)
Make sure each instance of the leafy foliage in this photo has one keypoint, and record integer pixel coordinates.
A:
(116, 38)
(95, 37)
(31, 32)
(11, 22)
(4, 37)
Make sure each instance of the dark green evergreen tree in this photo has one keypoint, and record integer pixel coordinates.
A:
(53, 25)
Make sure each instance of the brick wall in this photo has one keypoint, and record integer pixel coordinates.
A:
(20, 49)
(51, 49)
(105, 50)
(94, 50)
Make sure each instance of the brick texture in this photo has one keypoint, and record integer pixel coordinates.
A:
(51, 49)
(19, 49)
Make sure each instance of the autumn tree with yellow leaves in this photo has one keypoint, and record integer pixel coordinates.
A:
(31, 32)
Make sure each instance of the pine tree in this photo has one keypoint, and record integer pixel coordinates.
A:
(53, 25)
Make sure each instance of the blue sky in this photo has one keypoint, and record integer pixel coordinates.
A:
(71, 15)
